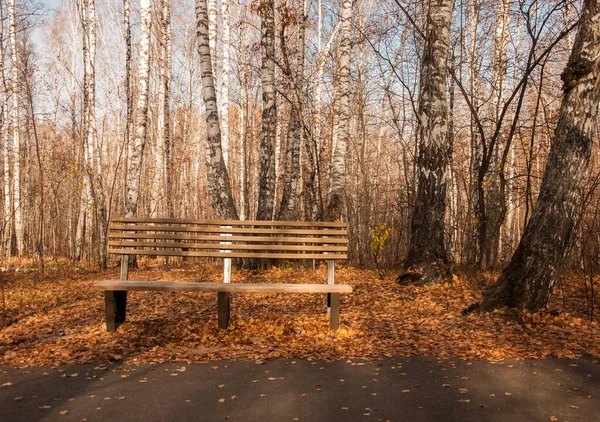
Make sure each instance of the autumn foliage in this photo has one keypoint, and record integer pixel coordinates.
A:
(59, 320)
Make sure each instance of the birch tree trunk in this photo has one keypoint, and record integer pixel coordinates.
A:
(8, 210)
(225, 80)
(93, 164)
(219, 187)
(267, 178)
(14, 58)
(128, 72)
(163, 142)
(136, 149)
(335, 196)
(427, 252)
(288, 208)
(528, 280)
(212, 35)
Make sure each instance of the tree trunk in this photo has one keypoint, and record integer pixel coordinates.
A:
(14, 57)
(528, 280)
(335, 197)
(496, 205)
(266, 189)
(136, 150)
(93, 164)
(225, 80)
(427, 252)
(288, 208)
(8, 210)
(162, 146)
(219, 187)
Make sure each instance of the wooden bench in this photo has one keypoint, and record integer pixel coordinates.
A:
(225, 239)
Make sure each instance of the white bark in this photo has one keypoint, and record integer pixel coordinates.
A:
(219, 187)
(162, 145)
(225, 80)
(342, 113)
(212, 35)
(136, 152)
(14, 56)
(8, 211)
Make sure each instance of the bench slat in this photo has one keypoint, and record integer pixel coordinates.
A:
(225, 230)
(218, 238)
(232, 254)
(229, 222)
(222, 246)
(176, 286)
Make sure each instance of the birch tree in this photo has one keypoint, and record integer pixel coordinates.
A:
(219, 186)
(288, 208)
(14, 58)
(225, 79)
(163, 155)
(335, 196)
(528, 280)
(136, 149)
(8, 210)
(91, 150)
(267, 178)
(427, 251)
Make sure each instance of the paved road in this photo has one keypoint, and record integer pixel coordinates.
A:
(394, 389)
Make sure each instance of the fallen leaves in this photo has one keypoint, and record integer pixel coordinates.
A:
(61, 321)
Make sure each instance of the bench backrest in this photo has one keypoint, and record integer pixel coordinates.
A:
(228, 238)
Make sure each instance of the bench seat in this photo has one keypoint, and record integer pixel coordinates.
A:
(115, 293)
(187, 286)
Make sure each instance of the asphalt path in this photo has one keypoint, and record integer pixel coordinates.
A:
(393, 389)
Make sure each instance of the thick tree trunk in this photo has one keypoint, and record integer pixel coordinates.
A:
(335, 197)
(267, 178)
(219, 187)
(528, 280)
(427, 251)
(136, 150)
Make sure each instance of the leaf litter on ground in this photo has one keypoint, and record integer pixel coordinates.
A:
(60, 320)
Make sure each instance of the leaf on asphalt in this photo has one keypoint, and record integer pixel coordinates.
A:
(64, 412)
(406, 391)
(221, 400)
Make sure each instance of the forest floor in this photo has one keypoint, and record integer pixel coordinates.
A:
(59, 320)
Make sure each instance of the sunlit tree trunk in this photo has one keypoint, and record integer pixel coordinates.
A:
(267, 178)
(225, 80)
(14, 57)
(427, 251)
(219, 187)
(288, 208)
(162, 146)
(136, 150)
(93, 153)
(8, 210)
(528, 280)
(335, 196)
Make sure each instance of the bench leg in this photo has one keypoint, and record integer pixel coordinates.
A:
(224, 305)
(116, 308)
(334, 316)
